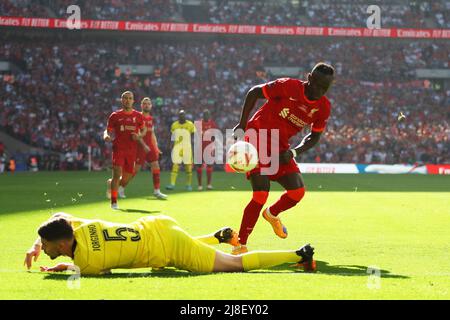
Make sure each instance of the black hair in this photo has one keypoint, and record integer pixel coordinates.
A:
(56, 229)
(323, 68)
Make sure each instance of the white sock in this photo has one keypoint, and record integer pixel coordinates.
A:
(270, 215)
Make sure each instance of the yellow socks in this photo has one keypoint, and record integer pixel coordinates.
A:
(265, 259)
(174, 174)
(188, 169)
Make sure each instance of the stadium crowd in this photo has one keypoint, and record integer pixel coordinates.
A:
(61, 98)
(341, 13)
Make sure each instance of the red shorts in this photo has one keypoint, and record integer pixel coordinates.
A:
(211, 154)
(126, 160)
(142, 157)
(282, 170)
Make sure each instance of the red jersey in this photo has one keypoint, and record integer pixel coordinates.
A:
(148, 122)
(206, 125)
(124, 124)
(289, 110)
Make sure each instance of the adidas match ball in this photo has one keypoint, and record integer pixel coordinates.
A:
(242, 157)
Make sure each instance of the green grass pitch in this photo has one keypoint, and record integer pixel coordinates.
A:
(398, 224)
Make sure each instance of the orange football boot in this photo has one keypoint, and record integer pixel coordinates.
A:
(279, 229)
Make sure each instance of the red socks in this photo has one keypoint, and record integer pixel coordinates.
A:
(156, 178)
(289, 199)
(251, 214)
(114, 196)
(199, 175)
(209, 170)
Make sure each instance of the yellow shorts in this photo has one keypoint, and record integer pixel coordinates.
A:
(180, 249)
(182, 154)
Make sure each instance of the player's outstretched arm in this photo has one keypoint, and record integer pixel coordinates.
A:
(58, 268)
(253, 95)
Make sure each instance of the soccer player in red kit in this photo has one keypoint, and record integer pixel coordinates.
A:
(148, 151)
(128, 127)
(206, 124)
(291, 105)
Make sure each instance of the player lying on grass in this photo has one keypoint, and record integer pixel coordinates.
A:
(97, 247)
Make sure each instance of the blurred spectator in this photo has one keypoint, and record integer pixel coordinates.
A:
(12, 165)
(62, 97)
(2, 163)
(33, 163)
(336, 13)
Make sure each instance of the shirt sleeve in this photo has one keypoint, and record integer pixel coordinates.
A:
(193, 129)
(89, 270)
(320, 123)
(281, 88)
(172, 127)
(111, 122)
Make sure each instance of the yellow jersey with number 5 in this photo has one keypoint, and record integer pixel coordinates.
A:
(102, 246)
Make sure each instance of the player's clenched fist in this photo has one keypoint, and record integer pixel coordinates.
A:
(286, 156)
(106, 136)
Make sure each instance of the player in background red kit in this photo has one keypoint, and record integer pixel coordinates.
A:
(147, 151)
(128, 127)
(206, 124)
(291, 105)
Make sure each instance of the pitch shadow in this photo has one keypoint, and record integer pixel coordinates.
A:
(160, 273)
(324, 267)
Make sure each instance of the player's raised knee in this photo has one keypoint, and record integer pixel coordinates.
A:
(260, 197)
(296, 194)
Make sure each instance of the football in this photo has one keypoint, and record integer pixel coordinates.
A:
(242, 157)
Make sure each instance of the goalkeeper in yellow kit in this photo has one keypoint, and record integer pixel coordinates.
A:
(96, 247)
(182, 131)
